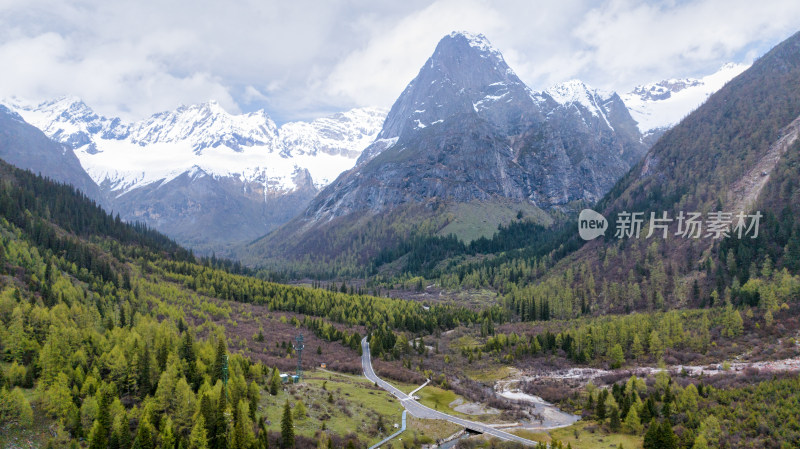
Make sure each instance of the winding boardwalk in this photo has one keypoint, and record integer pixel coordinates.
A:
(421, 411)
(386, 440)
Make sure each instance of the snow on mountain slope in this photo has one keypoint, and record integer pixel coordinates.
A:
(575, 92)
(205, 126)
(330, 145)
(663, 104)
(206, 139)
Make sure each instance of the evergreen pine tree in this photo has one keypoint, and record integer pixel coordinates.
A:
(168, 438)
(666, 411)
(287, 427)
(649, 410)
(208, 413)
(144, 434)
(96, 438)
(198, 439)
(74, 417)
(113, 441)
(589, 409)
(600, 408)
(219, 438)
(104, 413)
(614, 422)
(262, 440)
(275, 382)
(98, 435)
(652, 439)
(792, 250)
(667, 436)
(219, 359)
(120, 433)
(379, 424)
(143, 381)
(189, 357)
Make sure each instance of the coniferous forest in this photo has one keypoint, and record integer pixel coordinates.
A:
(96, 335)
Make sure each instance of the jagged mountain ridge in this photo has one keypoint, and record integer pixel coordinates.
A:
(208, 178)
(250, 146)
(204, 159)
(468, 129)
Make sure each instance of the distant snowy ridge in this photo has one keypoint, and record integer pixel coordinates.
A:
(202, 140)
(205, 139)
(663, 104)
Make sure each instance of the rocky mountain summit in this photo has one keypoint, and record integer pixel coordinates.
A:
(467, 128)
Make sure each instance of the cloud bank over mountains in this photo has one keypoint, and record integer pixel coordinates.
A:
(301, 60)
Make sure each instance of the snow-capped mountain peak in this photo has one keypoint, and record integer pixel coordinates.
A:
(68, 120)
(204, 139)
(664, 89)
(576, 92)
(344, 133)
(660, 105)
(206, 125)
(477, 41)
(464, 72)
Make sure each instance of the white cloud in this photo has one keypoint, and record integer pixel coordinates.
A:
(377, 73)
(614, 45)
(121, 80)
(304, 58)
(627, 42)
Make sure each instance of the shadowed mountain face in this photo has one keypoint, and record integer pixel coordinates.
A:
(468, 129)
(27, 147)
(202, 209)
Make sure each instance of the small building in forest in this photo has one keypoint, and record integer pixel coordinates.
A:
(287, 378)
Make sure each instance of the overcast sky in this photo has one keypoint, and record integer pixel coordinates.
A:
(304, 59)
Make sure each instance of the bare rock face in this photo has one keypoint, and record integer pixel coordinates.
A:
(197, 207)
(467, 128)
